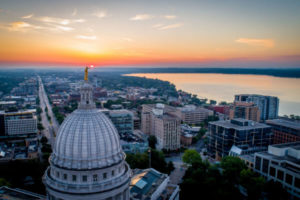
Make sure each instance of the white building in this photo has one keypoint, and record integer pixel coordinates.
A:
(87, 160)
(17, 123)
(281, 163)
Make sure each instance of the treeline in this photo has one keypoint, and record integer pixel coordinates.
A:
(142, 161)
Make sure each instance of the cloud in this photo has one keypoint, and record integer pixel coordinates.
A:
(268, 43)
(27, 16)
(170, 26)
(20, 26)
(61, 21)
(170, 16)
(86, 37)
(100, 14)
(74, 13)
(63, 28)
(141, 17)
(157, 25)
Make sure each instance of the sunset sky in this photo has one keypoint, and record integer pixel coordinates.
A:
(166, 33)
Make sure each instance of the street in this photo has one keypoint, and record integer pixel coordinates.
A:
(50, 127)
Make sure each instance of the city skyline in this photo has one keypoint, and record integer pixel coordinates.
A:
(156, 33)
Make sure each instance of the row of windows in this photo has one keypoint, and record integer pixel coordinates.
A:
(84, 178)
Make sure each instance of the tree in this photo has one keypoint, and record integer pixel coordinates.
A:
(254, 184)
(170, 167)
(223, 103)
(275, 191)
(232, 167)
(4, 182)
(212, 102)
(44, 140)
(40, 126)
(191, 156)
(152, 141)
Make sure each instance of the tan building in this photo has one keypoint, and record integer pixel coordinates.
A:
(146, 115)
(186, 139)
(244, 110)
(191, 114)
(159, 120)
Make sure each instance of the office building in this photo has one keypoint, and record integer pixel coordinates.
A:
(224, 134)
(284, 131)
(191, 114)
(149, 184)
(268, 105)
(18, 123)
(244, 110)
(123, 121)
(281, 163)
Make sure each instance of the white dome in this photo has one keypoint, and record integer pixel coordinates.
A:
(87, 139)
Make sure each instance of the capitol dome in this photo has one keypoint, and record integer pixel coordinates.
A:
(87, 139)
(87, 160)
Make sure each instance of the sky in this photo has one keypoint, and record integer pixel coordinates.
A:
(156, 33)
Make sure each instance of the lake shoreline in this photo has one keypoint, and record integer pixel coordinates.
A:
(223, 87)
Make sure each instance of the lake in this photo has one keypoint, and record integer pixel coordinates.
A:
(223, 87)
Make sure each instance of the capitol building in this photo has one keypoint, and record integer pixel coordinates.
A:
(87, 160)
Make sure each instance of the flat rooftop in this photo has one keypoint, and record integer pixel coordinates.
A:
(18, 112)
(293, 145)
(228, 124)
(145, 182)
(285, 123)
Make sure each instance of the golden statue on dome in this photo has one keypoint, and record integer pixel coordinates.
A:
(86, 72)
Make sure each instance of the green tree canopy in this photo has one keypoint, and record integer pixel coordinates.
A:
(152, 141)
(232, 167)
(191, 156)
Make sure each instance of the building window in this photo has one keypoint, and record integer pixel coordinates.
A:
(257, 163)
(112, 173)
(289, 179)
(84, 178)
(104, 175)
(297, 183)
(280, 175)
(95, 177)
(74, 178)
(65, 176)
(272, 171)
(265, 166)
(57, 174)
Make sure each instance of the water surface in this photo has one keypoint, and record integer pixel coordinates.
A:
(223, 87)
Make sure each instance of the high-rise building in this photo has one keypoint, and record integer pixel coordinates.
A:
(284, 131)
(190, 114)
(281, 164)
(87, 160)
(160, 120)
(224, 134)
(147, 112)
(244, 110)
(18, 123)
(268, 105)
